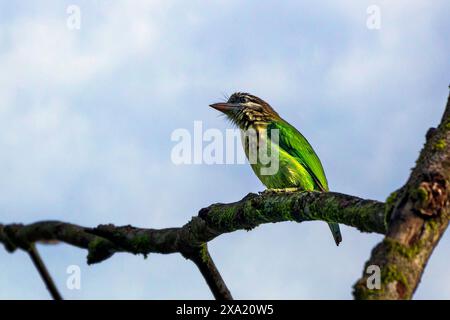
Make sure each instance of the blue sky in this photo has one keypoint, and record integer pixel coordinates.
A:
(87, 115)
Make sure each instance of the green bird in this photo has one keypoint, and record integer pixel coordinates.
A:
(298, 164)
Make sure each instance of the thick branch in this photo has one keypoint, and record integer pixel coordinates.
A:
(190, 240)
(217, 219)
(419, 215)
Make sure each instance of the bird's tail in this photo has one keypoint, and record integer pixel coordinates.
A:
(334, 227)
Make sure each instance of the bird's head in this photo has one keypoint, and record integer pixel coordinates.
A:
(244, 110)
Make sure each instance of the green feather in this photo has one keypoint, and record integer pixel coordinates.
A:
(297, 157)
(296, 145)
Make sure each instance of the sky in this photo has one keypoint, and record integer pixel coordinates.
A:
(87, 114)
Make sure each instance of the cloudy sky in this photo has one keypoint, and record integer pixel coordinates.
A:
(86, 118)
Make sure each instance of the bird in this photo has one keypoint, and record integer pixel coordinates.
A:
(299, 166)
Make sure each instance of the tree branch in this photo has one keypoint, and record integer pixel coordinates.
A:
(190, 240)
(202, 259)
(43, 272)
(418, 216)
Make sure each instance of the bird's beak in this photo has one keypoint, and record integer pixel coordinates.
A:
(223, 106)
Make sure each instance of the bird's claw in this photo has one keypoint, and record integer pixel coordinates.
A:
(281, 190)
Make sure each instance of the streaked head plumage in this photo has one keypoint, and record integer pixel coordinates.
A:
(244, 110)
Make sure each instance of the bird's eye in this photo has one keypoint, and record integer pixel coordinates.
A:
(244, 100)
(232, 99)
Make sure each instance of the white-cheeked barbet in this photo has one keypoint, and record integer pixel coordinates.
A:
(299, 166)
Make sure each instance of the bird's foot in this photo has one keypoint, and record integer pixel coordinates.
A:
(281, 190)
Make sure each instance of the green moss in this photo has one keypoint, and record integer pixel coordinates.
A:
(282, 207)
(251, 213)
(432, 225)
(140, 244)
(395, 247)
(392, 198)
(420, 194)
(440, 145)
(204, 252)
(224, 218)
(447, 126)
(390, 203)
(392, 273)
(364, 293)
(331, 209)
(388, 275)
(96, 245)
(98, 249)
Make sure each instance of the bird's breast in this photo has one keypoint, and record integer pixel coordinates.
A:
(259, 147)
(254, 138)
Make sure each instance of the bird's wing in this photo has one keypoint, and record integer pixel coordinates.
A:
(294, 143)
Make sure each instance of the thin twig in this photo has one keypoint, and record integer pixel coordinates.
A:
(43, 272)
(204, 262)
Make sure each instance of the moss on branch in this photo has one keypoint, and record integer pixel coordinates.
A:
(254, 209)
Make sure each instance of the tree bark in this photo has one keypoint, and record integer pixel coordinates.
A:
(418, 216)
(191, 239)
